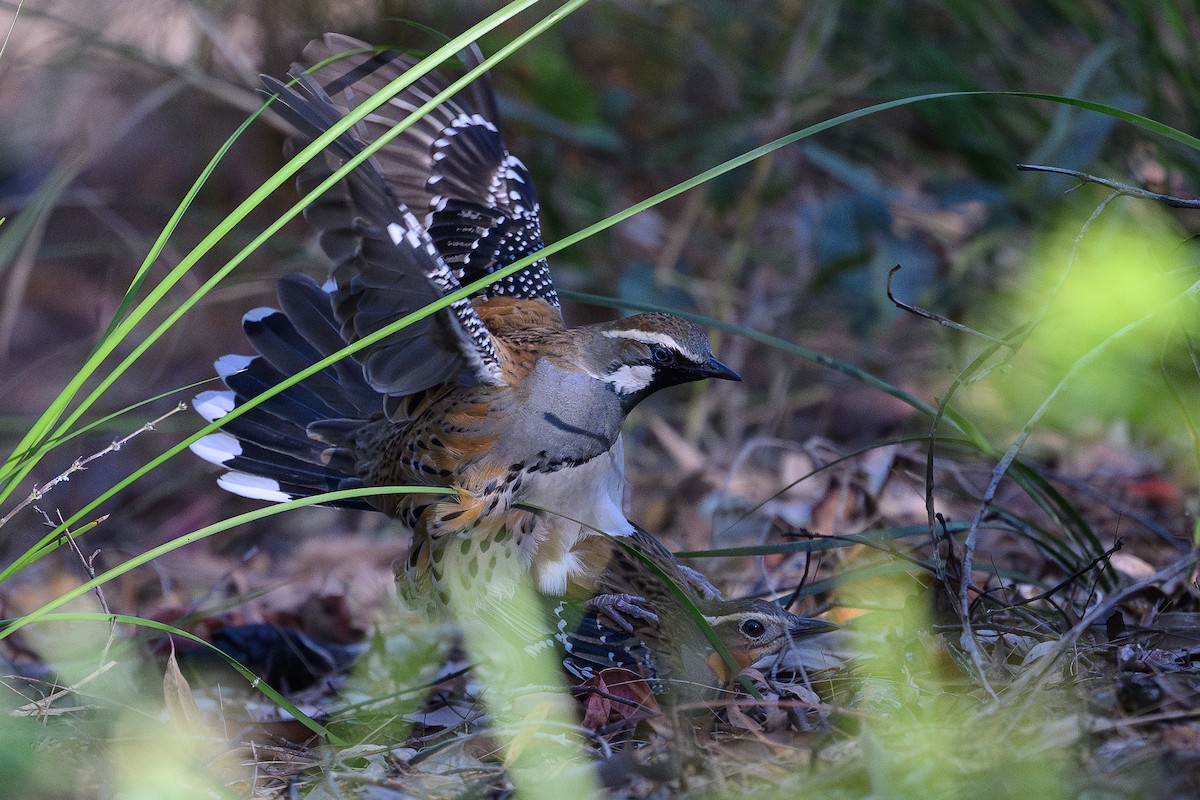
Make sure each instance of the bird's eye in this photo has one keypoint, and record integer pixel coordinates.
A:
(660, 353)
(753, 628)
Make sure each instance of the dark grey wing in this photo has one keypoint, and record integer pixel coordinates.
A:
(385, 266)
(451, 168)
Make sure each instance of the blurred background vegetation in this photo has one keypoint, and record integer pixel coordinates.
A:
(109, 110)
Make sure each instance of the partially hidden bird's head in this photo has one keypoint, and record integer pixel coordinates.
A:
(756, 629)
(641, 354)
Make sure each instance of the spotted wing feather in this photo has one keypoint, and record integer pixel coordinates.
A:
(385, 266)
(590, 644)
(450, 167)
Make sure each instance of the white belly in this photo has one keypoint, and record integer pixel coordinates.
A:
(574, 503)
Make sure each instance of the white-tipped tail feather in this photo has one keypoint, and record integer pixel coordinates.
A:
(217, 448)
(213, 405)
(231, 363)
(255, 487)
(267, 448)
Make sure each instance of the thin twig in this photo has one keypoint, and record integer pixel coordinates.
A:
(89, 564)
(1119, 188)
(1076, 246)
(8, 33)
(1074, 576)
(41, 709)
(967, 640)
(596, 690)
(81, 463)
(938, 318)
(968, 561)
(1107, 499)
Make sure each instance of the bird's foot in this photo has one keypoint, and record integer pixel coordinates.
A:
(700, 583)
(618, 606)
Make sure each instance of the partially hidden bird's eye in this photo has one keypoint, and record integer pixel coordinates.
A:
(660, 353)
(753, 628)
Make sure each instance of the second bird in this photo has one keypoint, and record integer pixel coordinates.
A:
(493, 397)
(674, 654)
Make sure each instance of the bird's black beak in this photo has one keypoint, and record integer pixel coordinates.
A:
(807, 626)
(682, 371)
(715, 369)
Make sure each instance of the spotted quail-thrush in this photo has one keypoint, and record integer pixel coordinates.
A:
(672, 653)
(493, 397)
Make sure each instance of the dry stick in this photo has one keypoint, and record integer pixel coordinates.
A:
(89, 564)
(81, 463)
(967, 639)
(1074, 576)
(938, 318)
(1122, 509)
(1119, 188)
(8, 33)
(934, 517)
(41, 709)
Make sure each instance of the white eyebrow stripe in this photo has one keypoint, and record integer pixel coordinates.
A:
(645, 337)
(740, 616)
(654, 337)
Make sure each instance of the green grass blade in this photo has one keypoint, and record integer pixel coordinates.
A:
(703, 177)
(688, 604)
(820, 542)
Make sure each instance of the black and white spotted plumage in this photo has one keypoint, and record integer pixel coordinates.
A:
(450, 167)
(590, 644)
(385, 265)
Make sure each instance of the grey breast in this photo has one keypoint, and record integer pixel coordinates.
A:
(566, 418)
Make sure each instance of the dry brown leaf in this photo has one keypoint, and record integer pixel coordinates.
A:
(177, 694)
(599, 705)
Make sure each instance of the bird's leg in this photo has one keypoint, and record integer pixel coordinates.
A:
(700, 583)
(617, 606)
